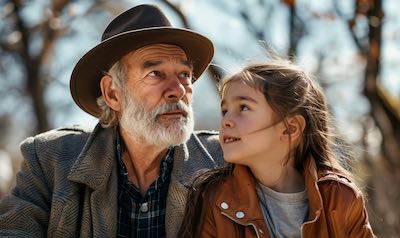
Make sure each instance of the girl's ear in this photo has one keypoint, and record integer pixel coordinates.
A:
(112, 97)
(294, 129)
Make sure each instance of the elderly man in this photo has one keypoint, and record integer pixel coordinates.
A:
(129, 176)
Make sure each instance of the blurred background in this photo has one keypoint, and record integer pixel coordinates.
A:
(352, 47)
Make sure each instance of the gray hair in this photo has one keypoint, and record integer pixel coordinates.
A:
(108, 116)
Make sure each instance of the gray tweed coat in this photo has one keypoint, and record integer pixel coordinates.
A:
(67, 186)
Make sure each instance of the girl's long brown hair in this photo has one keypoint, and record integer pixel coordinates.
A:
(289, 91)
(200, 194)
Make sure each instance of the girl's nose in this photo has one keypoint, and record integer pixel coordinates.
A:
(226, 122)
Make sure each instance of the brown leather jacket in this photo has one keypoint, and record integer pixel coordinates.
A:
(336, 207)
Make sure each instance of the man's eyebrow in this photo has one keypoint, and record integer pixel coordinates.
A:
(188, 63)
(153, 63)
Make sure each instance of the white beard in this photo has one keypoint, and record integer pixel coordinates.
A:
(142, 123)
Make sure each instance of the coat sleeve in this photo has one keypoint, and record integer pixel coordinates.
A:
(357, 219)
(25, 211)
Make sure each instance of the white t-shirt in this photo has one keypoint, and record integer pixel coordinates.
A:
(284, 213)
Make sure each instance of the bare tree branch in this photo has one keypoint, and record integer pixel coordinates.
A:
(351, 23)
(214, 72)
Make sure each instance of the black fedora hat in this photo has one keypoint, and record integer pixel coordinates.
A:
(137, 27)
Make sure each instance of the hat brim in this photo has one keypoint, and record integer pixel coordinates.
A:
(86, 76)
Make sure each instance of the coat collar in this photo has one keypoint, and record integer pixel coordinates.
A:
(97, 159)
(313, 192)
(238, 200)
(96, 167)
(243, 195)
(239, 193)
(185, 169)
(96, 162)
(188, 158)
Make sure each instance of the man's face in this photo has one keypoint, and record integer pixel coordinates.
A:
(157, 95)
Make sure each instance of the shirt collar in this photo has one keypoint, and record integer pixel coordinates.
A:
(166, 163)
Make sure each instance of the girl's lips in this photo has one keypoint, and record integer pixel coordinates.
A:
(229, 139)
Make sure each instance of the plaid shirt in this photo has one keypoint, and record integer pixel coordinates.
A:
(142, 216)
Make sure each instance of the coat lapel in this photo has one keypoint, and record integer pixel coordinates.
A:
(96, 168)
(240, 195)
(188, 158)
(316, 223)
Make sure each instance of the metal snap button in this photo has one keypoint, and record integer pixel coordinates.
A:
(224, 205)
(240, 214)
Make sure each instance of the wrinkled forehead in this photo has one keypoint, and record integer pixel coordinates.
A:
(158, 52)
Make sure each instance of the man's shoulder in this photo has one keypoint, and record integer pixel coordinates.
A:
(209, 140)
(207, 135)
(69, 138)
(61, 132)
(66, 130)
(206, 132)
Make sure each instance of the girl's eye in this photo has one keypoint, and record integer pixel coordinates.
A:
(223, 112)
(244, 108)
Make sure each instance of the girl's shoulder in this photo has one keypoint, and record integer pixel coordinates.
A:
(210, 179)
(329, 181)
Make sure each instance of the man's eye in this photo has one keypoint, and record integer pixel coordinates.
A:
(154, 77)
(185, 76)
(154, 73)
(244, 108)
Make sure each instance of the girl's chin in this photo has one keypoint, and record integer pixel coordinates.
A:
(234, 159)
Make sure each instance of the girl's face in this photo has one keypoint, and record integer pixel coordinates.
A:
(250, 130)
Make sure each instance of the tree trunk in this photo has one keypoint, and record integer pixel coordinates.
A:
(36, 90)
(385, 170)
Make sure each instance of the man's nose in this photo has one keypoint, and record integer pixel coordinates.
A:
(176, 90)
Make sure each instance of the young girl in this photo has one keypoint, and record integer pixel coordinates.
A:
(284, 179)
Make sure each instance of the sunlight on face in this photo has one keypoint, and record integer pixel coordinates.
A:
(248, 130)
(157, 97)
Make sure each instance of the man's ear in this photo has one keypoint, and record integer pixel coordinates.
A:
(112, 97)
(294, 129)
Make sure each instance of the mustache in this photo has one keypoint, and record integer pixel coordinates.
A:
(170, 107)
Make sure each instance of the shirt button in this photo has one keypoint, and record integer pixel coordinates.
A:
(144, 207)
(239, 214)
(224, 205)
